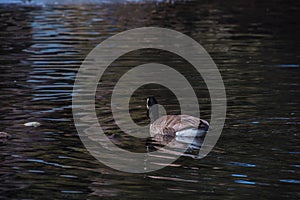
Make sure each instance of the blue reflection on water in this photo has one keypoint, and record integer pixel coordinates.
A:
(287, 65)
(242, 164)
(245, 182)
(239, 175)
(290, 181)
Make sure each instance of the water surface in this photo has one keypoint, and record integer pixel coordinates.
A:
(256, 47)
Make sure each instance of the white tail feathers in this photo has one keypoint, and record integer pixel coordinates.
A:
(191, 132)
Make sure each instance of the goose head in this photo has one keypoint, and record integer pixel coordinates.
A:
(150, 102)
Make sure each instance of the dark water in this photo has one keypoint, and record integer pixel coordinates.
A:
(254, 44)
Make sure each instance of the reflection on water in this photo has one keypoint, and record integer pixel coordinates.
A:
(256, 47)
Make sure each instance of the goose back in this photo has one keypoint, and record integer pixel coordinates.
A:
(170, 124)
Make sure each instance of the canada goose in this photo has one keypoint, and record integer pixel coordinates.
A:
(174, 125)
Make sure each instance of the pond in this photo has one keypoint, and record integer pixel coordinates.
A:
(256, 48)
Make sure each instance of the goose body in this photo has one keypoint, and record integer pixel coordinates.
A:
(179, 125)
(175, 125)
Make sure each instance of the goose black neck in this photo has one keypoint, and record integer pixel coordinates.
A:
(154, 113)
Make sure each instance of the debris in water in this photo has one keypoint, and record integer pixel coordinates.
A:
(34, 124)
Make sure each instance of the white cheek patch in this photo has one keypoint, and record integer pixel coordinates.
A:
(147, 103)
